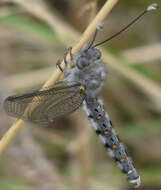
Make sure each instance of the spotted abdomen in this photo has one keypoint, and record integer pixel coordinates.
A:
(103, 126)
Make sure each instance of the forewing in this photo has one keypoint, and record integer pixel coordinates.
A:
(45, 106)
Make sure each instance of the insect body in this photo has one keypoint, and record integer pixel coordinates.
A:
(81, 85)
(89, 71)
(101, 123)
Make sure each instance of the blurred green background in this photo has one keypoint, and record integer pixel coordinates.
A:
(34, 34)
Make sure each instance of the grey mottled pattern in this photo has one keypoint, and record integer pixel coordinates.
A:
(103, 127)
(88, 70)
(82, 83)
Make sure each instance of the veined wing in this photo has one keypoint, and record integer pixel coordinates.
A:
(45, 106)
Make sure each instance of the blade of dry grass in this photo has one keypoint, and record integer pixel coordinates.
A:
(38, 77)
(150, 88)
(28, 163)
(81, 149)
(105, 10)
(136, 55)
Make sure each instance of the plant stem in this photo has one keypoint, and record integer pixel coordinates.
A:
(105, 10)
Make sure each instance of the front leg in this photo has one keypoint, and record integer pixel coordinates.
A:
(66, 69)
(58, 64)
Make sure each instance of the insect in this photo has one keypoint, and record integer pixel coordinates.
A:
(81, 85)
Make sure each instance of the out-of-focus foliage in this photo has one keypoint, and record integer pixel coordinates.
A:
(29, 47)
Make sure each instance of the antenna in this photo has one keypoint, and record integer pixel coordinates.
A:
(99, 27)
(153, 6)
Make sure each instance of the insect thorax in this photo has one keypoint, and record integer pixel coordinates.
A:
(87, 69)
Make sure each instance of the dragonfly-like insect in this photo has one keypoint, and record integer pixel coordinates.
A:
(81, 85)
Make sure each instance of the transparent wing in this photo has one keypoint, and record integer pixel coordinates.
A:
(45, 106)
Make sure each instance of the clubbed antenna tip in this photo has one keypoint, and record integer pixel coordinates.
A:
(100, 26)
(153, 6)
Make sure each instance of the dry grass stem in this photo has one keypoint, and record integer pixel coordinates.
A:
(56, 74)
(94, 9)
(150, 88)
(81, 149)
(85, 8)
(136, 55)
(27, 78)
(28, 164)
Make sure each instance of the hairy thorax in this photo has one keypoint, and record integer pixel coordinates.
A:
(87, 69)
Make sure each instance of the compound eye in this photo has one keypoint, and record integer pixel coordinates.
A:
(82, 62)
(94, 53)
(97, 54)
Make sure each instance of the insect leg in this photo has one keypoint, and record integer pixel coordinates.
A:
(65, 59)
(70, 53)
(58, 63)
(69, 50)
